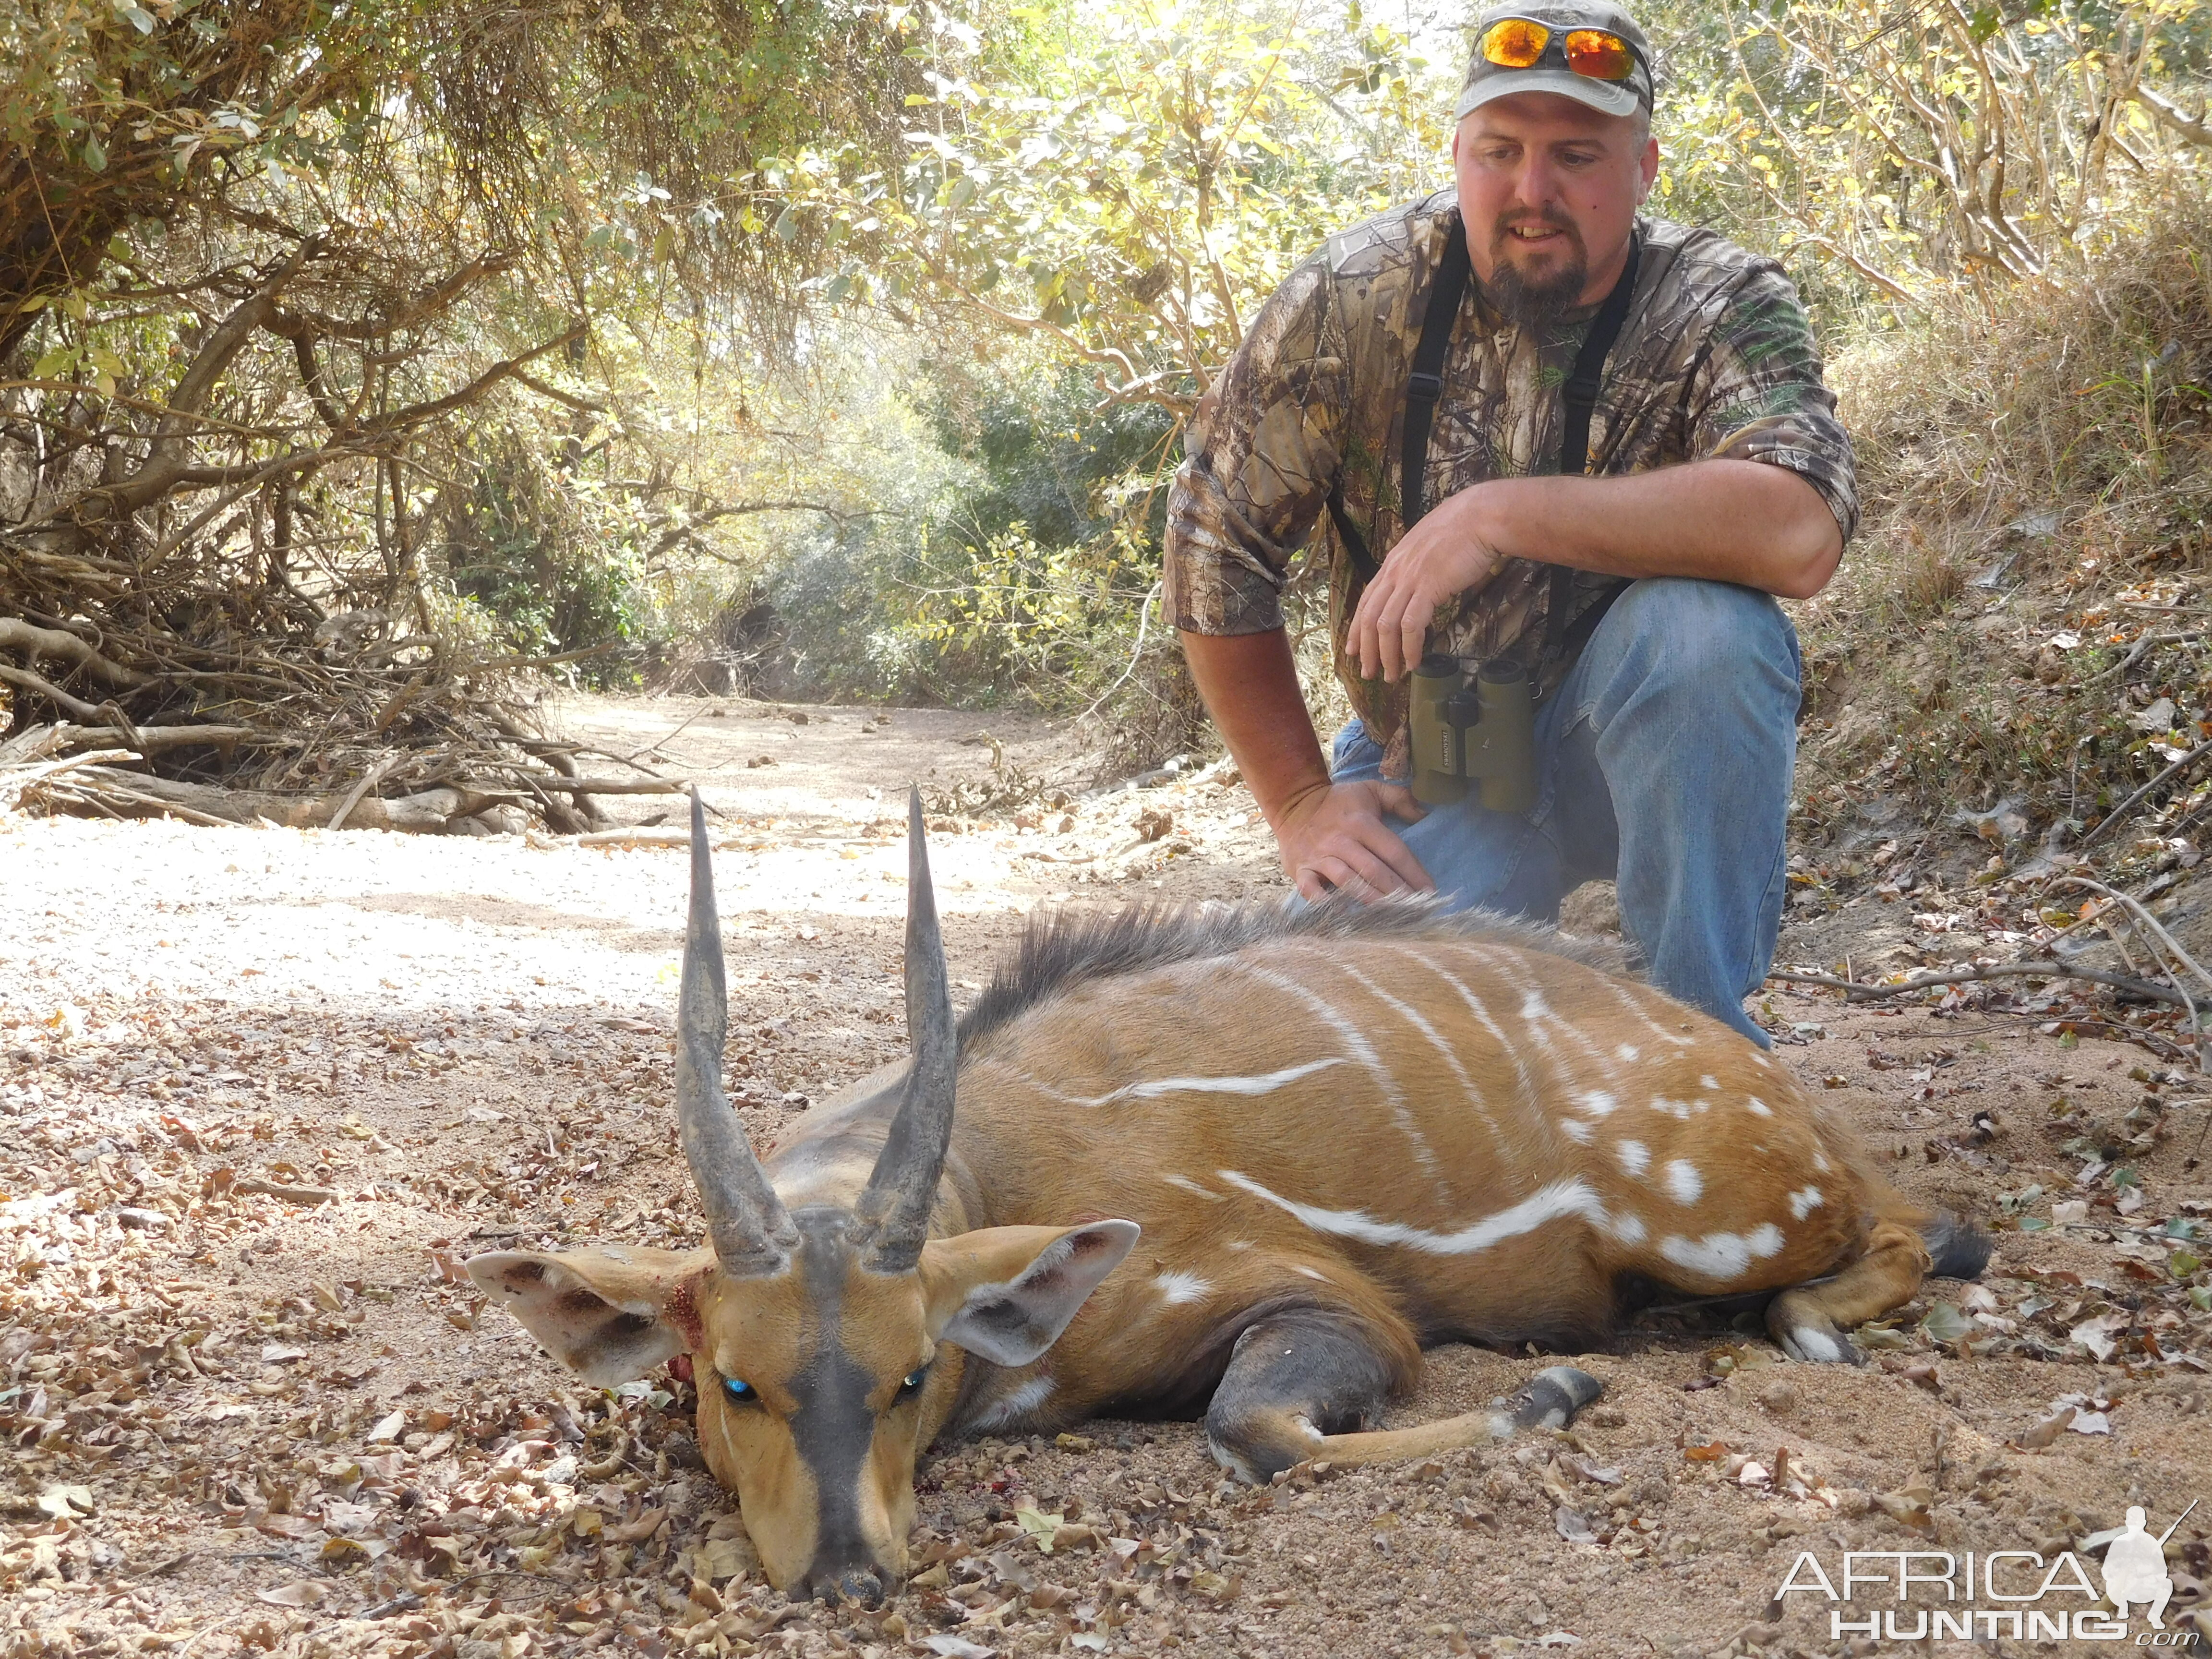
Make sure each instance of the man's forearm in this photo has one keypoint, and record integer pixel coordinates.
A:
(1747, 522)
(1250, 685)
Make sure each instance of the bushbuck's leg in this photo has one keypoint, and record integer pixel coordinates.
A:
(1810, 1321)
(1303, 1385)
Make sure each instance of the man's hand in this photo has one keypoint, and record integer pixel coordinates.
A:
(1446, 555)
(1333, 835)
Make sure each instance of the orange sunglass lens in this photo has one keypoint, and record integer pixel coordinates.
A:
(1516, 43)
(1600, 55)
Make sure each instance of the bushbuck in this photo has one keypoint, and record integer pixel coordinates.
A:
(1240, 1164)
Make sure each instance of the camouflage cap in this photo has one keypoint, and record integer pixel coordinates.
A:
(1485, 80)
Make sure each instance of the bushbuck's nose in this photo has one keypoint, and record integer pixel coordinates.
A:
(861, 1584)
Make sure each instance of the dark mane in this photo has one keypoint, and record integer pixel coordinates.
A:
(1063, 949)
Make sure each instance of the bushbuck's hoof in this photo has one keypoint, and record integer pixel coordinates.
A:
(1552, 1397)
(1818, 1343)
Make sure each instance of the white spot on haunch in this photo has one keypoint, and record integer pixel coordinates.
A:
(1628, 1051)
(1013, 1405)
(1596, 1103)
(1803, 1202)
(1628, 1229)
(1754, 1104)
(1821, 1161)
(1722, 1255)
(1552, 1203)
(1674, 1109)
(1574, 1131)
(1684, 1183)
(1532, 1006)
(1310, 1273)
(1635, 1157)
(1190, 1186)
(1239, 1244)
(1709, 1083)
(1180, 1287)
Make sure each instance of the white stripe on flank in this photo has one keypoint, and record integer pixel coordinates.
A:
(1522, 1083)
(1561, 1199)
(1635, 1005)
(1361, 1050)
(1722, 1255)
(1414, 1017)
(1190, 1186)
(1265, 1083)
(1536, 1014)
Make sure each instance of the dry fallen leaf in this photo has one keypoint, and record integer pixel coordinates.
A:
(306, 1593)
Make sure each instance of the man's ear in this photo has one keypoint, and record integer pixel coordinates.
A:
(609, 1315)
(1007, 1293)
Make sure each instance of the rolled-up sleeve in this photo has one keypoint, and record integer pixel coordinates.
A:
(1758, 396)
(1260, 456)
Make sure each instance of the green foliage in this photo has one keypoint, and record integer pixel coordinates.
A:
(1124, 184)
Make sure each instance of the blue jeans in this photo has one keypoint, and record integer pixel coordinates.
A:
(1663, 762)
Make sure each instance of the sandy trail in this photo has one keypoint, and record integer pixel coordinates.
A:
(240, 1420)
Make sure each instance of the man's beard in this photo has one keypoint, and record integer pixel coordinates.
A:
(1535, 304)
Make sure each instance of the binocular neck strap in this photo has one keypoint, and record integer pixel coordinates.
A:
(1424, 384)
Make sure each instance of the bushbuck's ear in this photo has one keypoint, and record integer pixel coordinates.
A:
(1007, 1293)
(609, 1315)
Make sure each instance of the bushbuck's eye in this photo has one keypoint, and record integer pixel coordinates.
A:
(912, 1383)
(739, 1390)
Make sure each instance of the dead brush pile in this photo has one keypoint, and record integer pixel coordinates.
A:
(2020, 641)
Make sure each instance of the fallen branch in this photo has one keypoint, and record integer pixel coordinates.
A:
(77, 708)
(1857, 990)
(428, 812)
(614, 785)
(2127, 806)
(36, 642)
(17, 781)
(151, 739)
(253, 1184)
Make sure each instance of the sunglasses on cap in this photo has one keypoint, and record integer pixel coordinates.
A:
(1595, 54)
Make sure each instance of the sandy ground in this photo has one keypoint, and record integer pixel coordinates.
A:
(260, 1090)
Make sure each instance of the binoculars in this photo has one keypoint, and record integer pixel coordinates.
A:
(1476, 728)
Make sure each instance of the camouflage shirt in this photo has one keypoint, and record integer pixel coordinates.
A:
(1714, 359)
